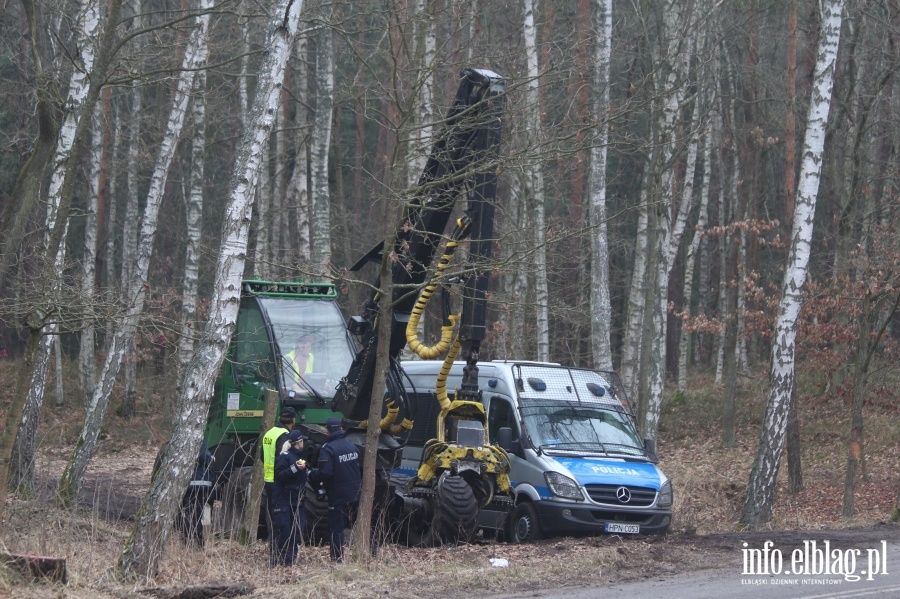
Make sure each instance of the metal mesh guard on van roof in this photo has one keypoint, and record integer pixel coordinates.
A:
(569, 384)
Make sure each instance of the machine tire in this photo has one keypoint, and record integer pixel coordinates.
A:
(234, 501)
(316, 517)
(523, 525)
(455, 512)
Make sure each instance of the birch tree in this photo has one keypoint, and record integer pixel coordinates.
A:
(297, 190)
(132, 212)
(690, 261)
(535, 185)
(73, 475)
(87, 361)
(761, 488)
(674, 56)
(421, 118)
(601, 310)
(321, 220)
(144, 548)
(84, 89)
(194, 232)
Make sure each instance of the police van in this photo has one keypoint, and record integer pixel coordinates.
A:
(578, 463)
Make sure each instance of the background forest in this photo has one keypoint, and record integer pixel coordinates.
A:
(652, 167)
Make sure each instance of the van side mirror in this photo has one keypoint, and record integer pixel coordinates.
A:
(504, 438)
(650, 446)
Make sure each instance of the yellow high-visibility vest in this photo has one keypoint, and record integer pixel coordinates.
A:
(270, 451)
(292, 358)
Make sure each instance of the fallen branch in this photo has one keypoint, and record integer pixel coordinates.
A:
(36, 567)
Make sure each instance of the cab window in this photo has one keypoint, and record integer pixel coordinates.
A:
(501, 413)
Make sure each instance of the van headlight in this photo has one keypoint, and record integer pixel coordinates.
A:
(665, 495)
(563, 486)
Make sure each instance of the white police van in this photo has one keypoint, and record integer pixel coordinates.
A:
(579, 465)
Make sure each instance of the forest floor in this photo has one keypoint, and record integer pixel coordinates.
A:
(709, 482)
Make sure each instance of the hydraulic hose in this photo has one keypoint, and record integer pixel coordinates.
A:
(441, 384)
(427, 352)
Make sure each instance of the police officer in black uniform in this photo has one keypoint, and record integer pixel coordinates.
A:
(289, 517)
(190, 518)
(339, 469)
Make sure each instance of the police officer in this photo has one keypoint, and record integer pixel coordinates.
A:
(290, 485)
(190, 518)
(339, 469)
(271, 446)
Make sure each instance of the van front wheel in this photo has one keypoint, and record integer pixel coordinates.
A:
(524, 527)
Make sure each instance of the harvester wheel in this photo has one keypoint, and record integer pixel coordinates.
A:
(234, 500)
(455, 512)
(316, 516)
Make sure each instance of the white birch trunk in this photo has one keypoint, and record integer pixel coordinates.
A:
(515, 285)
(631, 348)
(73, 475)
(298, 187)
(21, 470)
(132, 218)
(421, 119)
(57, 353)
(725, 242)
(280, 223)
(677, 29)
(111, 215)
(144, 548)
(763, 475)
(690, 261)
(130, 224)
(601, 308)
(189, 322)
(742, 358)
(262, 258)
(533, 119)
(86, 28)
(321, 219)
(87, 361)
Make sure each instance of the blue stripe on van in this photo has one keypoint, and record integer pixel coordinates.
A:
(610, 472)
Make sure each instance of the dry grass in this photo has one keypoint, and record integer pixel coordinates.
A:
(709, 480)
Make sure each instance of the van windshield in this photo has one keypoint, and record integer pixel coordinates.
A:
(579, 428)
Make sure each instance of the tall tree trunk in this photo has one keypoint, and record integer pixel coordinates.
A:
(601, 308)
(30, 182)
(536, 184)
(321, 229)
(689, 262)
(262, 260)
(132, 220)
(87, 360)
(420, 119)
(82, 96)
(298, 186)
(189, 321)
(116, 126)
(73, 475)
(21, 471)
(761, 488)
(144, 548)
(631, 346)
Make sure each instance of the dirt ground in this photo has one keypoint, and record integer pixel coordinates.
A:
(709, 482)
(91, 537)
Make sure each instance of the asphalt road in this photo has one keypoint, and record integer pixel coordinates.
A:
(731, 582)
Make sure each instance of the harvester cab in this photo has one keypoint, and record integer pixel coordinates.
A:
(290, 338)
